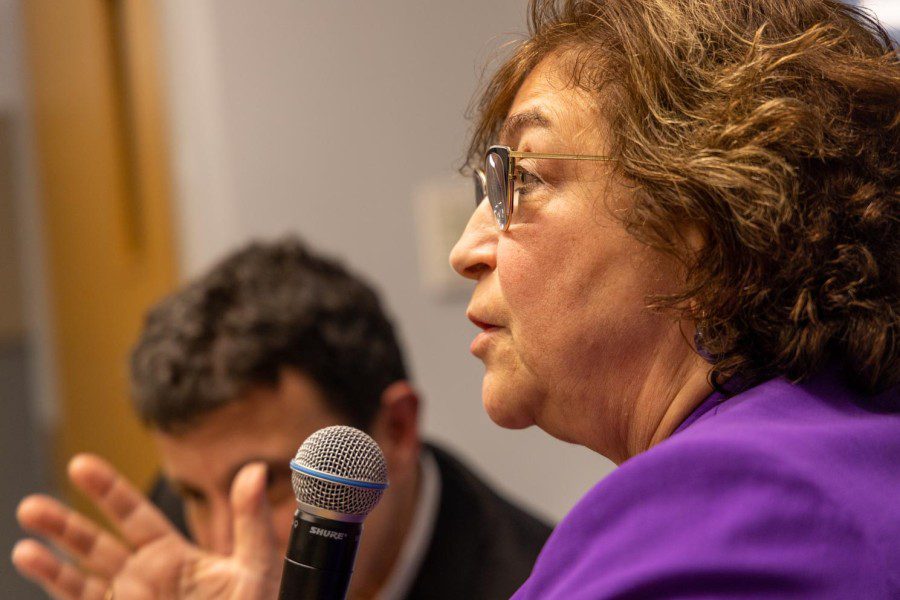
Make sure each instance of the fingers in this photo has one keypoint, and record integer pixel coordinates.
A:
(254, 540)
(92, 546)
(130, 511)
(59, 579)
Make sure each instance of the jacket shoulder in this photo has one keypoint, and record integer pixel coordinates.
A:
(707, 513)
(483, 546)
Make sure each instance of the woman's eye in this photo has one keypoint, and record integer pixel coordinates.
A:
(526, 181)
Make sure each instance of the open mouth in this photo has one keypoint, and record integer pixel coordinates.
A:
(482, 325)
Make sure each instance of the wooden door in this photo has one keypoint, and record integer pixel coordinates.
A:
(105, 188)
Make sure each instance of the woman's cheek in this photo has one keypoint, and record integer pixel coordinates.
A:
(529, 277)
(512, 270)
(538, 319)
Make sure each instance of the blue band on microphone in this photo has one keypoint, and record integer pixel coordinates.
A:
(336, 479)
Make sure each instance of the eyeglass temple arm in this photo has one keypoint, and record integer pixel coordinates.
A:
(517, 154)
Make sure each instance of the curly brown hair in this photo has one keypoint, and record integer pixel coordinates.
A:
(266, 307)
(771, 126)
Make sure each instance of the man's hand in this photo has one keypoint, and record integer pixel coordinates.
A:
(151, 560)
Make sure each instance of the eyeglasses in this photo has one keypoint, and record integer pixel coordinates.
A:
(496, 181)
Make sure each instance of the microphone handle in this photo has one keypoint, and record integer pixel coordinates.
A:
(319, 559)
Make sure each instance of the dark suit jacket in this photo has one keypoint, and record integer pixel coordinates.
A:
(482, 546)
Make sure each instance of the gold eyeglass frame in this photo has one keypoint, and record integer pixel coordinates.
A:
(508, 158)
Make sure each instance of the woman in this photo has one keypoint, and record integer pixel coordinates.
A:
(689, 262)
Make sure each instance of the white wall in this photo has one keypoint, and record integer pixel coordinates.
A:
(887, 11)
(323, 118)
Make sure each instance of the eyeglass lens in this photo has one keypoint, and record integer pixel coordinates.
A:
(480, 191)
(495, 175)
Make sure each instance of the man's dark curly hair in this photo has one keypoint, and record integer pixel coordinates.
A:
(772, 127)
(265, 308)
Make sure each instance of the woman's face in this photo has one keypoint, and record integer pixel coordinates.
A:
(561, 295)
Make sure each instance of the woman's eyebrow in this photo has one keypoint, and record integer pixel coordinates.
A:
(514, 124)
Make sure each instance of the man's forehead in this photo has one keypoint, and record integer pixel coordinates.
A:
(267, 425)
(214, 467)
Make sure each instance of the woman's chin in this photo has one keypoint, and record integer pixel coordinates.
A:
(504, 406)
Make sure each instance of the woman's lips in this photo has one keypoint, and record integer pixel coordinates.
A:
(481, 324)
(479, 344)
(481, 341)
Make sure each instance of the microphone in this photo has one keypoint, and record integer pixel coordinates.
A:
(338, 476)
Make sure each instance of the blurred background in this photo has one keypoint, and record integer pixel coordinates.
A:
(140, 140)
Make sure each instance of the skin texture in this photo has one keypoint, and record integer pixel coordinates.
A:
(236, 485)
(570, 346)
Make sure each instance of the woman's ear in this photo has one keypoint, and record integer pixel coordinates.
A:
(396, 428)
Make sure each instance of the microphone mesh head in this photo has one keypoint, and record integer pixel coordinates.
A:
(344, 452)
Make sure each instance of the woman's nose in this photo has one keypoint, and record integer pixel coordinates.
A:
(475, 253)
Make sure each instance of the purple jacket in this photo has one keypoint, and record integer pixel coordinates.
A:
(782, 491)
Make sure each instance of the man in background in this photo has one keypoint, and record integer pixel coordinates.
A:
(239, 367)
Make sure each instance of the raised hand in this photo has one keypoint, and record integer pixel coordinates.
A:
(151, 559)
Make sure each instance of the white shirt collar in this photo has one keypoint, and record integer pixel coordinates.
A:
(418, 539)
